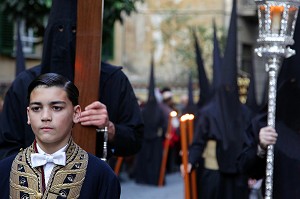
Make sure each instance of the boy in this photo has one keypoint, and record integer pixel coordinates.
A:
(54, 166)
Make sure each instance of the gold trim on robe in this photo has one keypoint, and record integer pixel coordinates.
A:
(64, 182)
(209, 155)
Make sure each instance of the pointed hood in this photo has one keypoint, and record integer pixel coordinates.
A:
(151, 87)
(20, 60)
(204, 86)
(152, 113)
(227, 95)
(60, 39)
(191, 107)
(216, 61)
(229, 63)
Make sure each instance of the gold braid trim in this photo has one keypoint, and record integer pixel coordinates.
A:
(65, 181)
(69, 179)
(23, 178)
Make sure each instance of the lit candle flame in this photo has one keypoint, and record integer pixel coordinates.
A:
(184, 118)
(276, 14)
(173, 114)
(191, 116)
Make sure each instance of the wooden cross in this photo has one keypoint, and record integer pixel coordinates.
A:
(88, 64)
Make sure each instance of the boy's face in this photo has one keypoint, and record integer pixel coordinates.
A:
(51, 115)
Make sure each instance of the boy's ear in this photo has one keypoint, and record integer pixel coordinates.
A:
(28, 118)
(77, 113)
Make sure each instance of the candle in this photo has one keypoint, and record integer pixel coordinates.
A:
(166, 149)
(184, 148)
(276, 14)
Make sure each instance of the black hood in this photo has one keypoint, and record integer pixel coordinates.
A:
(288, 103)
(191, 107)
(60, 39)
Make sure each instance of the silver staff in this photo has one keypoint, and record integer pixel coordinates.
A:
(276, 29)
(105, 139)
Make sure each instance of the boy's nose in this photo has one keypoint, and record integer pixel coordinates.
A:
(46, 116)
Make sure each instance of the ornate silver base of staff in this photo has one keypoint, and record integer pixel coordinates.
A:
(276, 29)
(105, 139)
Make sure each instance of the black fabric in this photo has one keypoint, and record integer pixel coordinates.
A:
(60, 39)
(191, 107)
(99, 182)
(236, 182)
(210, 182)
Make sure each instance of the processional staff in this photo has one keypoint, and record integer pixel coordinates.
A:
(276, 29)
(88, 65)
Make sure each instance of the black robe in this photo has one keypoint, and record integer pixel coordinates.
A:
(286, 160)
(149, 159)
(232, 184)
(122, 108)
(100, 181)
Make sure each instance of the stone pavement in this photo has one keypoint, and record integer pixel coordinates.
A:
(173, 189)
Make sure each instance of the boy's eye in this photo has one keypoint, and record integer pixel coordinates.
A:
(57, 108)
(35, 108)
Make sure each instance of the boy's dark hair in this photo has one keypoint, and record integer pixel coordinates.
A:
(55, 80)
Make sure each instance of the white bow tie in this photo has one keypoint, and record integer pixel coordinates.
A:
(38, 159)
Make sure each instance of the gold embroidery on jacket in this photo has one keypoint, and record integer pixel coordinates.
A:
(65, 181)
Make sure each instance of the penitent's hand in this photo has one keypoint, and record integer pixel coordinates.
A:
(267, 136)
(189, 168)
(95, 114)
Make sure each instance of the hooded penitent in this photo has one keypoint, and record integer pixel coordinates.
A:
(151, 112)
(60, 39)
(148, 160)
(230, 116)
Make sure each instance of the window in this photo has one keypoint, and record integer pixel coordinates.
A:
(6, 35)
